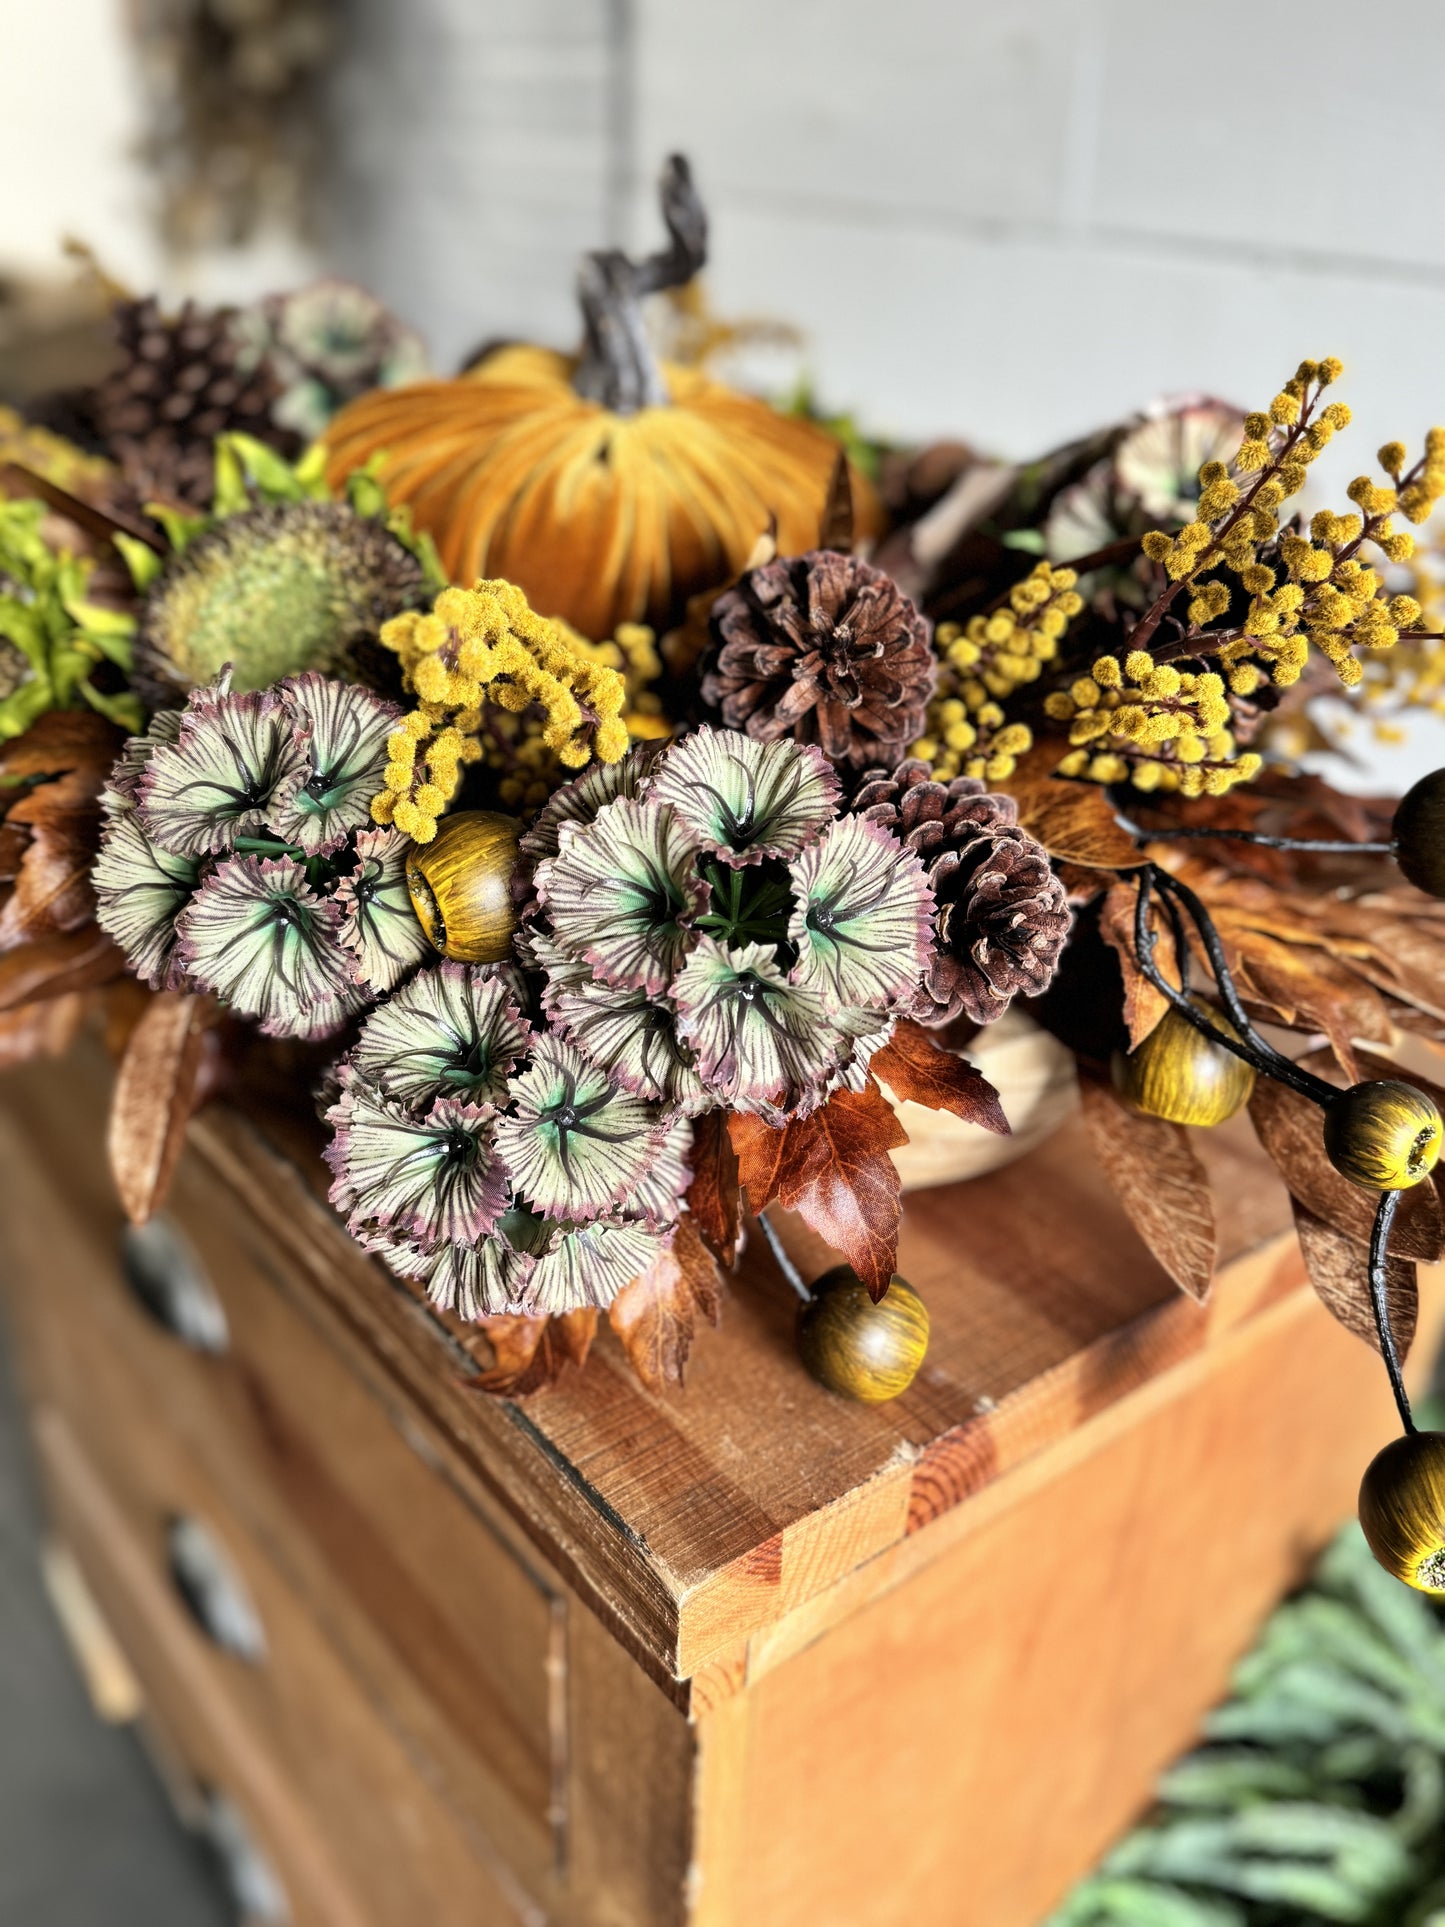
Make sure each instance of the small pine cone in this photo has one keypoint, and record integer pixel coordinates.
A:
(1001, 924)
(927, 816)
(824, 649)
(179, 383)
(1002, 917)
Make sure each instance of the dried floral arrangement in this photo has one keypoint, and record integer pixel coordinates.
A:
(622, 891)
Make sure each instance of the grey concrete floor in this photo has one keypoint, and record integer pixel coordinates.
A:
(87, 1838)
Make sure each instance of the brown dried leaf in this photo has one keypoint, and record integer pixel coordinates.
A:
(50, 783)
(1158, 1179)
(656, 1315)
(835, 529)
(529, 1353)
(154, 1099)
(712, 1197)
(916, 1067)
(46, 1029)
(833, 1168)
(1074, 821)
(1339, 1272)
(1289, 1127)
(52, 966)
(1143, 1004)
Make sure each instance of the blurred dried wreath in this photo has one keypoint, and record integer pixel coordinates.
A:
(231, 88)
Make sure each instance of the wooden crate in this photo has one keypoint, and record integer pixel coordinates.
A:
(747, 1653)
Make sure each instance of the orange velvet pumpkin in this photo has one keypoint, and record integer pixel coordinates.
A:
(602, 510)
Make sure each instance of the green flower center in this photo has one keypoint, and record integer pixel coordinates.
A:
(750, 905)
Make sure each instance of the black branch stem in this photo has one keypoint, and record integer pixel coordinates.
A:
(780, 1257)
(1322, 846)
(618, 367)
(1380, 1302)
(1248, 1045)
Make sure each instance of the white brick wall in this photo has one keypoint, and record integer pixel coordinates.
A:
(1008, 222)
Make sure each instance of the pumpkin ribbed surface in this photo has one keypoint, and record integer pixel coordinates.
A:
(599, 518)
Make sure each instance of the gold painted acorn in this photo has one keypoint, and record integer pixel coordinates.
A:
(1384, 1134)
(461, 886)
(1402, 1509)
(863, 1351)
(1180, 1074)
(1418, 834)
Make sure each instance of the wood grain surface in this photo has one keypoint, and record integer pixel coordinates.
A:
(695, 1519)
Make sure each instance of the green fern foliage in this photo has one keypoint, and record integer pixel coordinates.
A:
(1319, 1793)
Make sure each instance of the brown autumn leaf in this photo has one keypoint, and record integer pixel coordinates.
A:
(1159, 1180)
(1143, 1004)
(835, 527)
(1074, 821)
(53, 966)
(1339, 1272)
(1289, 1127)
(530, 1353)
(45, 1029)
(916, 1067)
(52, 821)
(154, 1099)
(712, 1197)
(833, 1168)
(656, 1315)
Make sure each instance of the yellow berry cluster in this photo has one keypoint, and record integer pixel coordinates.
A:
(528, 769)
(983, 664)
(1302, 589)
(479, 649)
(1412, 675)
(1150, 724)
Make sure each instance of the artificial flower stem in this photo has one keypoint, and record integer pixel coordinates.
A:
(1379, 1302)
(784, 1263)
(1322, 846)
(268, 846)
(1248, 1045)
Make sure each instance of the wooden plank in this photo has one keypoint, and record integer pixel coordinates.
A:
(670, 1513)
(951, 1739)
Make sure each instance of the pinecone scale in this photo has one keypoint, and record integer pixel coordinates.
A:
(1002, 917)
(824, 649)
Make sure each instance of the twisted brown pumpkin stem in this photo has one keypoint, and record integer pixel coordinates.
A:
(618, 367)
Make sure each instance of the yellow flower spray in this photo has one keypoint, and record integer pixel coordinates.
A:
(479, 649)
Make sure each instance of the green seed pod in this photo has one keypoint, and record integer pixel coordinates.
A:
(461, 886)
(1384, 1135)
(1180, 1074)
(1402, 1509)
(1418, 832)
(864, 1351)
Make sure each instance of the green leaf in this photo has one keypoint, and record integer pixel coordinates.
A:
(123, 710)
(272, 476)
(181, 528)
(143, 562)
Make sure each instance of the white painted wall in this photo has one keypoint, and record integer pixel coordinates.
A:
(71, 123)
(1016, 221)
(1008, 220)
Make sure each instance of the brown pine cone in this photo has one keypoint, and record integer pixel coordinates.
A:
(180, 382)
(824, 649)
(928, 816)
(1002, 917)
